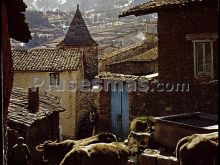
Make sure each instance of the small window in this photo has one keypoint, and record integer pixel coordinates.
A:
(54, 79)
(203, 58)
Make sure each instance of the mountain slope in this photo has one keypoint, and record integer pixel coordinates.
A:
(85, 5)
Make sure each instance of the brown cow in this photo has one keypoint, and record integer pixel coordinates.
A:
(198, 149)
(54, 152)
(98, 154)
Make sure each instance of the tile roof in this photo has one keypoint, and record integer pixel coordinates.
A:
(122, 77)
(78, 33)
(136, 52)
(153, 6)
(115, 53)
(18, 112)
(47, 59)
(148, 55)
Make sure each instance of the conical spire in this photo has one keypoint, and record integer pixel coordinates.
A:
(78, 33)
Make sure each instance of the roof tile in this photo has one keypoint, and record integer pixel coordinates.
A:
(19, 114)
(122, 77)
(153, 6)
(47, 59)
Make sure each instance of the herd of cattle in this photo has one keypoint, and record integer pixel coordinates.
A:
(103, 149)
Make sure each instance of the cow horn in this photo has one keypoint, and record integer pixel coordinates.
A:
(40, 148)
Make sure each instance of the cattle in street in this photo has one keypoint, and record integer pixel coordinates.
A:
(198, 149)
(98, 154)
(54, 152)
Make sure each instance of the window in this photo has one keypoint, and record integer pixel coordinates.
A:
(54, 79)
(203, 58)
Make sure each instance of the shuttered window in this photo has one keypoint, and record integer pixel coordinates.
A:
(203, 58)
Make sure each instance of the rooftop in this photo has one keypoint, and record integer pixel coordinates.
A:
(47, 59)
(115, 53)
(122, 77)
(137, 52)
(78, 33)
(18, 112)
(148, 55)
(153, 6)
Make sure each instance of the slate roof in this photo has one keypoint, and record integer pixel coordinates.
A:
(78, 33)
(136, 52)
(47, 59)
(122, 77)
(148, 55)
(18, 112)
(153, 6)
(116, 52)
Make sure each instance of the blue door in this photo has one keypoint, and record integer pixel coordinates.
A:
(119, 113)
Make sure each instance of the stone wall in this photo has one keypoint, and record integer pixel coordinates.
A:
(86, 101)
(104, 111)
(200, 97)
(91, 62)
(175, 52)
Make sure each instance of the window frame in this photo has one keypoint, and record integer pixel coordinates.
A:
(206, 74)
(56, 75)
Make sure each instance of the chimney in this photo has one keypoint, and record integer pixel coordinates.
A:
(33, 99)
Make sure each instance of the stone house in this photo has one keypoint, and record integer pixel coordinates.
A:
(129, 64)
(187, 52)
(187, 78)
(187, 39)
(35, 117)
(137, 59)
(191, 55)
(59, 70)
(141, 64)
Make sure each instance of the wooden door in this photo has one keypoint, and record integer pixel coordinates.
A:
(119, 114)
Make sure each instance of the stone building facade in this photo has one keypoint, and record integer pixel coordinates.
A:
(138, 59)
(187, 54)
(180, 31)
(141, 64)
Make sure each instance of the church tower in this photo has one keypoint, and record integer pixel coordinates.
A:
(78, 36)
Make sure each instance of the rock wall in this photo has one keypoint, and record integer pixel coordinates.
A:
(91, 62)
(86, 102)
(200, 97)
(175, 52)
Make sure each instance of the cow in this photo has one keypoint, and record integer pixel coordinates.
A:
(98, 154)
(54, 152)
(199, 149)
